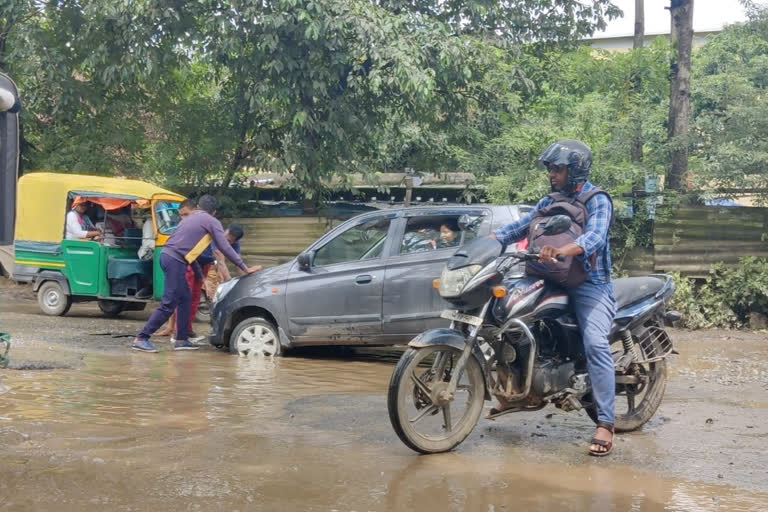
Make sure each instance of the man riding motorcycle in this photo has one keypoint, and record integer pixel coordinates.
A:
(568, 163)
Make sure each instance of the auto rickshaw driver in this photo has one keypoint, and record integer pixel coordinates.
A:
(79, 225)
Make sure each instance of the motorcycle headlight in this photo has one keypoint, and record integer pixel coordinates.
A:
(453, 281)
(224, 289)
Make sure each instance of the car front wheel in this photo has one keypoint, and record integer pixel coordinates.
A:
(255, 336)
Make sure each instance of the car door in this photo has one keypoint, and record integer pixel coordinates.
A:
(338, 299)
(411, 304)
(83, 260)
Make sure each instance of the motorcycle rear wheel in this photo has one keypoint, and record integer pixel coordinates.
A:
(423, 419)
(637, 403)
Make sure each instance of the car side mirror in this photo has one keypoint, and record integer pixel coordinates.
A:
(469, 222)
(557, 224)
(305, 260)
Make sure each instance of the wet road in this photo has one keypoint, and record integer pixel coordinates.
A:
(106, 428)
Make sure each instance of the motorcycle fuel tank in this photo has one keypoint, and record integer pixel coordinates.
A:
(521, 299)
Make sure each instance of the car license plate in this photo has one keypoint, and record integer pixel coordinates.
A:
(450, 314)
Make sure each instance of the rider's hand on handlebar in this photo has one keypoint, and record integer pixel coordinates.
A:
(549, 254)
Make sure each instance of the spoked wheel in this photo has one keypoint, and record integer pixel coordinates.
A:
(636, 401)
(425, 417)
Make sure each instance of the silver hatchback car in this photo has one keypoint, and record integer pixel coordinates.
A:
(366, 282)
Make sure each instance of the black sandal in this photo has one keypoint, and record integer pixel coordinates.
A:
(608, 445)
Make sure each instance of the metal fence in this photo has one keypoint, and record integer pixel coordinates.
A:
(271, 241)
(689, 242)
(697, 237)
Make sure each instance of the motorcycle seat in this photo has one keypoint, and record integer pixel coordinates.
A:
(629, 290)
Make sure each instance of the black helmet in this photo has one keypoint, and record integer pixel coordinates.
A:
(573, 153)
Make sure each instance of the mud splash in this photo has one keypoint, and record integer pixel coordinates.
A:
(202, 431)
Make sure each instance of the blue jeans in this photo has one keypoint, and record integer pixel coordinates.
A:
(176, 294)
(595, 307)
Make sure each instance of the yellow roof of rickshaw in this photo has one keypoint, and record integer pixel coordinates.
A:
(41, 200)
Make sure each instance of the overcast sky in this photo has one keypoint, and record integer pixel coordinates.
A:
(707, 15)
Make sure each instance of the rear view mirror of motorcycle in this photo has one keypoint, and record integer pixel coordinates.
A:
(557, 224)
(469, 222)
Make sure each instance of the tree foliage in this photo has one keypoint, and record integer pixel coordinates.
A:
(730, 100)
(198, 91)
(193, 93)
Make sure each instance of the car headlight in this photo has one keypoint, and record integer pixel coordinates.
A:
(224, 289)
(453, 281)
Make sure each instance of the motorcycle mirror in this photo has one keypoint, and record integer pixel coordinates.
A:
(557, 224)
(305, 260)
(469, 222)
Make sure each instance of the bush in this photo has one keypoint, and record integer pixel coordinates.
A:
(725, 298)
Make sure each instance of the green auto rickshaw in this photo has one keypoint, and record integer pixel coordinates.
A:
(119, 268)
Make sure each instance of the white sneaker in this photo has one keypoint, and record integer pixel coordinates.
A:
(192, 339)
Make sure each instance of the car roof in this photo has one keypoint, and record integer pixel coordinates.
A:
(505, 209)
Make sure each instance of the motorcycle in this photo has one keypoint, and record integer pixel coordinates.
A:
(536, 356)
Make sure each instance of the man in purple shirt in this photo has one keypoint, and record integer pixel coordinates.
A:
(190, 238)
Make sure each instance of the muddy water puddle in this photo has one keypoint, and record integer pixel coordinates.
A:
(208, 431)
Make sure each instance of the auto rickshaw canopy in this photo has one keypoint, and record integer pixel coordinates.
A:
(41, 201)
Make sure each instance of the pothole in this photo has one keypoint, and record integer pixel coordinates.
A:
(39, 365)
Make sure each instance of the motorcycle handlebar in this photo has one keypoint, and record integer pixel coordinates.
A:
(533, 256)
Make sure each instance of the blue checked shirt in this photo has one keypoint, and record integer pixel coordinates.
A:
(594, 239)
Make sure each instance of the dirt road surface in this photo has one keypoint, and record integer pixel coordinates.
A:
(87, 424)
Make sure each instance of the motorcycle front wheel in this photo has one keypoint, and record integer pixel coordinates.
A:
(425, 417)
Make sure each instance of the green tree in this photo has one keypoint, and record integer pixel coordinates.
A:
(200, 91)
(730, 100)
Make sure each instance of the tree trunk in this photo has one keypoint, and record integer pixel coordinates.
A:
(237, 160)
(242, 118)
(4, 30)
(639, 24)
(681, 12)
(636, 151)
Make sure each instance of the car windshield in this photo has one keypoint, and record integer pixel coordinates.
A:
(167, 215)
(362, 242)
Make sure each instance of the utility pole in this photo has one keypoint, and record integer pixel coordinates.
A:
(10, 150)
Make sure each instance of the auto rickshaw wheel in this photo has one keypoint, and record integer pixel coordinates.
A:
(52, 299)
(111, 308)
